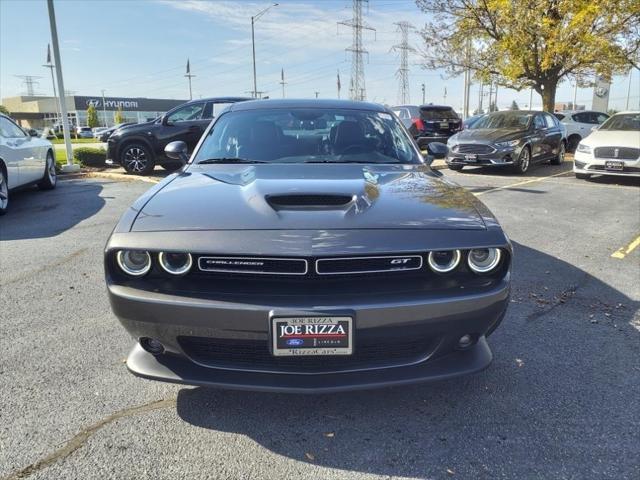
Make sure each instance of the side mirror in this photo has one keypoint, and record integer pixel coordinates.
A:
(595, 127)
(165, 120)
(33, 133)
(437, 150)
(177, 151)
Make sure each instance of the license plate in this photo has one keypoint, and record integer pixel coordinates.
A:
(614, 166)
(293, 336)
(444, 124)
(471, 158)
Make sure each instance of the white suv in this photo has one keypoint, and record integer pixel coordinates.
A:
(578, 124)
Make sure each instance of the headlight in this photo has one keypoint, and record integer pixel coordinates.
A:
(483, 260)
(175, 263)
(444, 261)
(510, 143)
(134, 262)
(582, 148)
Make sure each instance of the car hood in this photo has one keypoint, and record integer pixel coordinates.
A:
(487, 135)
(613, 138)
(312, 196)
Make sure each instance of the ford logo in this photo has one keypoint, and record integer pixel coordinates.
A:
(295, 342)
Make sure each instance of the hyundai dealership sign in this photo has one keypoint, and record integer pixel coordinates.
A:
(127, 104)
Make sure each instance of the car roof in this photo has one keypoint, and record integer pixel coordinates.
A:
(629, 112)
(428, 106)
(219, 100)
(306, 103)
(571, 112)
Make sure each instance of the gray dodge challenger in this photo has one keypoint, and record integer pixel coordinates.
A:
(307, 246)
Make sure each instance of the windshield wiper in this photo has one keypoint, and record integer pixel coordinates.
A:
(340, 161)
(229, 160)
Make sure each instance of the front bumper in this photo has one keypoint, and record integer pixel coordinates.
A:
(586, 163)
(441, 321)
(424, 139)
(112, 158)
(500, 158)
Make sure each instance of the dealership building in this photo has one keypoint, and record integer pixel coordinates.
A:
(40, 112)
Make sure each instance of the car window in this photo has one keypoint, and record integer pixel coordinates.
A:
(559, 116)
(8, 129)
(601, 117)
(215, 109)
(402, 113)
(539, 122)
(550, 121)
(301, 135)
(628, 122)
(438, 114)
(512, 119)
(187, 113)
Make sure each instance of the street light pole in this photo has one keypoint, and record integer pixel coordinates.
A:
(69, 167)
(254, 19)
(104, 109)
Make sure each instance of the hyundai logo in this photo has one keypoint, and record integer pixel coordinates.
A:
(295, 342)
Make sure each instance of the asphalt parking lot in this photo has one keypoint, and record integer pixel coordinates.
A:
(561, 399)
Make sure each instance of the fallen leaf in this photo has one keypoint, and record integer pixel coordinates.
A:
(519, 362)
(450, 472)
(329, 434)
(310, 456)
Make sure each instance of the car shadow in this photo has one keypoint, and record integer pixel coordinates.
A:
(40, 214)
(564, 384)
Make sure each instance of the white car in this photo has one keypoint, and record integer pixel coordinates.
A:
(25, 159)
(611, 149)
(578, 124)
(84, 132)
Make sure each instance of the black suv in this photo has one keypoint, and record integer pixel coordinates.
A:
(139, 148)
(429, 123)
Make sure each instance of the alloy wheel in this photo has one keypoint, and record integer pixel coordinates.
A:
(135, 159)
(51, 170)
(4, 191)
(523, 162)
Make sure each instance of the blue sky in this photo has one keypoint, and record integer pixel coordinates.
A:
(139, 48)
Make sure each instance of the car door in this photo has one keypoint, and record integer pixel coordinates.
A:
(22, 157)
(538, 137)
(583, 123)
(553, 135)
(185, 123)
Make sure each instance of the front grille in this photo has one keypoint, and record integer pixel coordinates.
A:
(254, 265)
(371, 350)
(474, 148)
(617, 153)
(354, 265)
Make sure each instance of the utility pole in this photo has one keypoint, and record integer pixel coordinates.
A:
(254, 19)
(317, 93)
(629, 89)
(575, 94)
(189, 76)
(495, 96)
(467, 84)
(282, 82)
(69, 167)
(480, 95)
(424, 91)
(530, 98)
(338, 84)
(104, 108)
(444, 97)
(403, 71)
(357, 90)
(50, 66)
(30, 81)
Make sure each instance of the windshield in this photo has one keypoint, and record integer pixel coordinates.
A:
(503, 120)
(629, 122)
(304, 135)
(438, 114)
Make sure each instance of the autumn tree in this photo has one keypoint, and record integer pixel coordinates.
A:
(4, 110)
(92, 116)
(532, 43)
(118, 116)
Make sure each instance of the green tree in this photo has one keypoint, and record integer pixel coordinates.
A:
(532, 44)
(92, 116)
(4, 110)
(514, 106)
(118, 116)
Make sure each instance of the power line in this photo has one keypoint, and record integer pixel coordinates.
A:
(357, 90)
(30, 81)
(403, 71)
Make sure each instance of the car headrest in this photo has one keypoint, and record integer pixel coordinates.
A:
(349, 133)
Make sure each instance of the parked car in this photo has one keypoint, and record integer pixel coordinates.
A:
(140, 148)
(98, 131)
(408, 114)
(613, 148)
(25, 159)
(428, 123)
(307, 247)
(84, 132)
(578, 124)
(104, 136)
(514, 138)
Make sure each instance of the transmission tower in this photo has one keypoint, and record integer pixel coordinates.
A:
(403, 71)
(30, 81)
(358, 90)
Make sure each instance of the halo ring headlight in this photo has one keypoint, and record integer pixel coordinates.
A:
(175, 263)
(134, 262)
(483, 260)
(444, 261)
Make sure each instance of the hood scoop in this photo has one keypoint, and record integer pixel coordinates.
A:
(300, 201)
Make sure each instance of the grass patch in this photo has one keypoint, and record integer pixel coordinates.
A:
(75, 140)
(61, 158)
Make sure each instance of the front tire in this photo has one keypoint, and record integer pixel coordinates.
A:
(524, 161)
(557, 160)
(4, 191)
(50, 177)
(583, 176)
(573, 140)
(455, 168)
(171, 167)
(137, 159)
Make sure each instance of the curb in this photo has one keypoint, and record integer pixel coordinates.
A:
(109, 175)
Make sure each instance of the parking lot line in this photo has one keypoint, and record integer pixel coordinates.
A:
(627, 249)
(526, 182)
